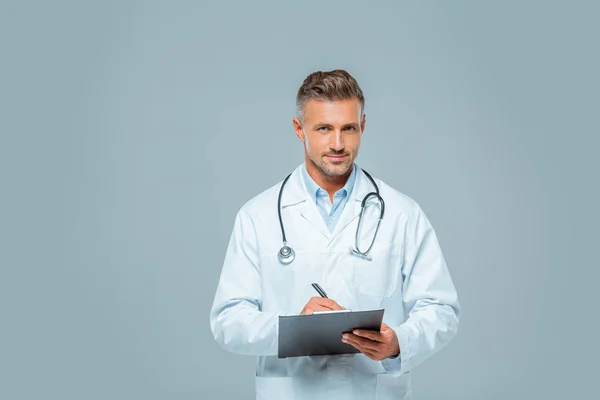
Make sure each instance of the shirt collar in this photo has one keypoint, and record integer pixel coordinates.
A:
(314, 190)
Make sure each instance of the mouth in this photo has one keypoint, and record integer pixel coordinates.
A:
(336, 157)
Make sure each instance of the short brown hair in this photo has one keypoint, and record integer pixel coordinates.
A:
(329, 86)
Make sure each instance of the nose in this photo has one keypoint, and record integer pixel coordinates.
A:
(336, 141)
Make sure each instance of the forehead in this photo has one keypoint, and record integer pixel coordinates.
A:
(338, 111)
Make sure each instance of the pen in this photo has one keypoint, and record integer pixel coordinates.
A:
(319, 290)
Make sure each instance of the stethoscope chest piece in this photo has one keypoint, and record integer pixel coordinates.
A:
(359, 254)
(286, 255)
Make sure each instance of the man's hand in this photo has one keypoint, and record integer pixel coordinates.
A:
(375, 345)
(320, 304)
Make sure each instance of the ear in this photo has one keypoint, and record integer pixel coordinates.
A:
(363, 123)
(298, 128)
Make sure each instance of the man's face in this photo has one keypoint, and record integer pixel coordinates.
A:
(331, 132)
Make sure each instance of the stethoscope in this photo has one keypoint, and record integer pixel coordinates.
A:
(287, 254)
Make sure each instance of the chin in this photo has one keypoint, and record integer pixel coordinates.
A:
(336, 169)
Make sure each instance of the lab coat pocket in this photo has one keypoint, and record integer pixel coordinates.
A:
(394, 387)
(379, 276)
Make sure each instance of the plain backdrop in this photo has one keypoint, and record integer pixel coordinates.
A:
(132, 132)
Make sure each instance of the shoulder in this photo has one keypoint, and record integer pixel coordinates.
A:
(398, 202)
(265, 201)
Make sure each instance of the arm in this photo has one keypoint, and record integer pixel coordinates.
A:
(236, 319)
(429, 299)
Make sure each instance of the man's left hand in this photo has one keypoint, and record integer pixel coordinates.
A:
(375, 345)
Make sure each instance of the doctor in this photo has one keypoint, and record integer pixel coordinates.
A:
(319, 212)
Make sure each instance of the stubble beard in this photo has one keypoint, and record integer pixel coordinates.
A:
(335, 169)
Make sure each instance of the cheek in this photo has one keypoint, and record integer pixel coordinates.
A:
(313, 146)
(355, 144)
(308, 144)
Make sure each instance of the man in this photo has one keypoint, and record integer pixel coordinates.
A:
(405, 272)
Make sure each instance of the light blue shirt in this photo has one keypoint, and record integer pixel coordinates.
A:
(330, 211)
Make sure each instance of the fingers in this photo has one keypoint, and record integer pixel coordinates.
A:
(320, 304)
(369, 351)
(327, 303)
(375, 345)
(307, 311)
(362, 344)
(371, 354)
(371, 335)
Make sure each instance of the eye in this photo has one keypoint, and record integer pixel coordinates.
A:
(351, 128)
(322, 128)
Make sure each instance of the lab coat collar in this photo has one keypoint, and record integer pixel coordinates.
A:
(294, 193)
(363, 185)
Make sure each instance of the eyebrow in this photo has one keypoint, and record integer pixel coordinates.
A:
(324, 124)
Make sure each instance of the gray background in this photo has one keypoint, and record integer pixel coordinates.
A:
(133, 131)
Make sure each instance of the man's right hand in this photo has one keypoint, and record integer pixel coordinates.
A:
(320, 304)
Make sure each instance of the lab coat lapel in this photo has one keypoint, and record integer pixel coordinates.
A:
(295, 193)
(311, 213)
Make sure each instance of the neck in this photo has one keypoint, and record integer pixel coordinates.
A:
(330, 184)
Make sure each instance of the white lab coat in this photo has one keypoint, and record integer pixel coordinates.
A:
(407, 276)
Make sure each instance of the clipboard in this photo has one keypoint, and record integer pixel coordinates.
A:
(321, 333)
